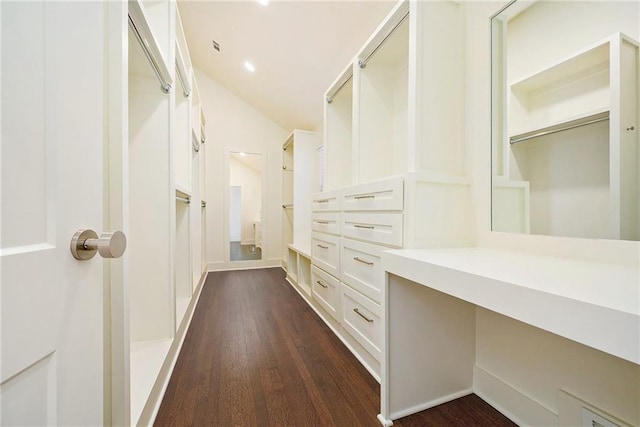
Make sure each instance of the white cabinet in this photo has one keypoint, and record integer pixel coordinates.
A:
(326, 290)
(362, 268)
(326, 222)
(361, 318)
(327, 201)
(381, 228)
(325, 252)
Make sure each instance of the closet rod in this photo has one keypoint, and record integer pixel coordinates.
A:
(187, 200)
(181, 72)
(330, 97)
(289, 206)
(362, 62)
(570, 125)
(150, 49)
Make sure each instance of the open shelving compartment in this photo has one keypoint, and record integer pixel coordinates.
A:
(287, 198)
(381, 109)
(574, 112)
(182, 253)
(338, 132)
(150, 268)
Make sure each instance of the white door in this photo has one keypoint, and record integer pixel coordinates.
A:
(52, 125)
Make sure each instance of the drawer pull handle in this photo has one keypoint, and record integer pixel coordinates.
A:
(321, 284)
(322, 201)
(323, 247)
(367, 227)
(368, 196)
(362, 261)
(362, 315)
(321, 222)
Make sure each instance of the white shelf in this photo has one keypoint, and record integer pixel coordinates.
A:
(588, 61)
(147, 358)
(597, 305)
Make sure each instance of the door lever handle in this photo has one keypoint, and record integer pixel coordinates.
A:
(86, 243)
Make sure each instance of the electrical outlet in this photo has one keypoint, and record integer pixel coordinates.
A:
(591, 419)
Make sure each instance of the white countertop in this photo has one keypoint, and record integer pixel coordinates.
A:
(595, 304)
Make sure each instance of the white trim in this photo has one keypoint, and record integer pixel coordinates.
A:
(511, 402)
(430, 404)
(172, 357)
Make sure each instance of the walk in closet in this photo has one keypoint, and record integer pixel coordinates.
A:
(165, 199)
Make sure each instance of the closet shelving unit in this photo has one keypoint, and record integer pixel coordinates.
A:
(298, 152)
(397, 112)
(580, 108)
(164, 251)
(382, 105)
(393, 168)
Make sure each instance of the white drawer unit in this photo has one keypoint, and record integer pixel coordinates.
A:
(326, 201)
(325, 252)
(387, 195)
(326, 222)
(361, 319)
(385, 229)
(326, 290)
(362, 267)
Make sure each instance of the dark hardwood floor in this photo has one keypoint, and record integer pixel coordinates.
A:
(257, 354)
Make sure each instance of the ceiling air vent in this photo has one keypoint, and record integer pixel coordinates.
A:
(216, 45)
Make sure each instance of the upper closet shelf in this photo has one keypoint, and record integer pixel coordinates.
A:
(560, 127)
(589, 61)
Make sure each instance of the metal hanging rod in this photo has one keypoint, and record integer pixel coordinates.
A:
(595, 118)
(142, 31)
(195, 143)
(288, 206)
(341, 83)
(394, 24)
(181, 72)
(186, 200)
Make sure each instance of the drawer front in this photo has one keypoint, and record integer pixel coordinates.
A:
(361, 319)
(362, 267)
(325, 289)
(384, 229)
(327, 201)
(325, 252)
(326, 222)
(387, 195)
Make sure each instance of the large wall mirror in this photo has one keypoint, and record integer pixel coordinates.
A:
(565, 119)
(245, 207)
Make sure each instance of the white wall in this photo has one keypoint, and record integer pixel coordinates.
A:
(521, 358)
(234, 125)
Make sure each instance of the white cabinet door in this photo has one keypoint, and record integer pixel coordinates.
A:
(52, 126)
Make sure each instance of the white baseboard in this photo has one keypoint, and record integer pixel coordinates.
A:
(430, 404)
(152, 406)
(385, 422)
(243, 265)
(511, 402)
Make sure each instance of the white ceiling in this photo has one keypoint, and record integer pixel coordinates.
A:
(297, 47)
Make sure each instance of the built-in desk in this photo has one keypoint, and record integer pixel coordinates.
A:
(429, 312)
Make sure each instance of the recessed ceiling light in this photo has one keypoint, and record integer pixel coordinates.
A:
(243, 154)
(263, 2)
(249, 66)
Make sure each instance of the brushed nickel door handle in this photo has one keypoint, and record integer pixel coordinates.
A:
(86, 243)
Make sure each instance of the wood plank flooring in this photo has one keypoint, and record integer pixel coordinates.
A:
(257, 354)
